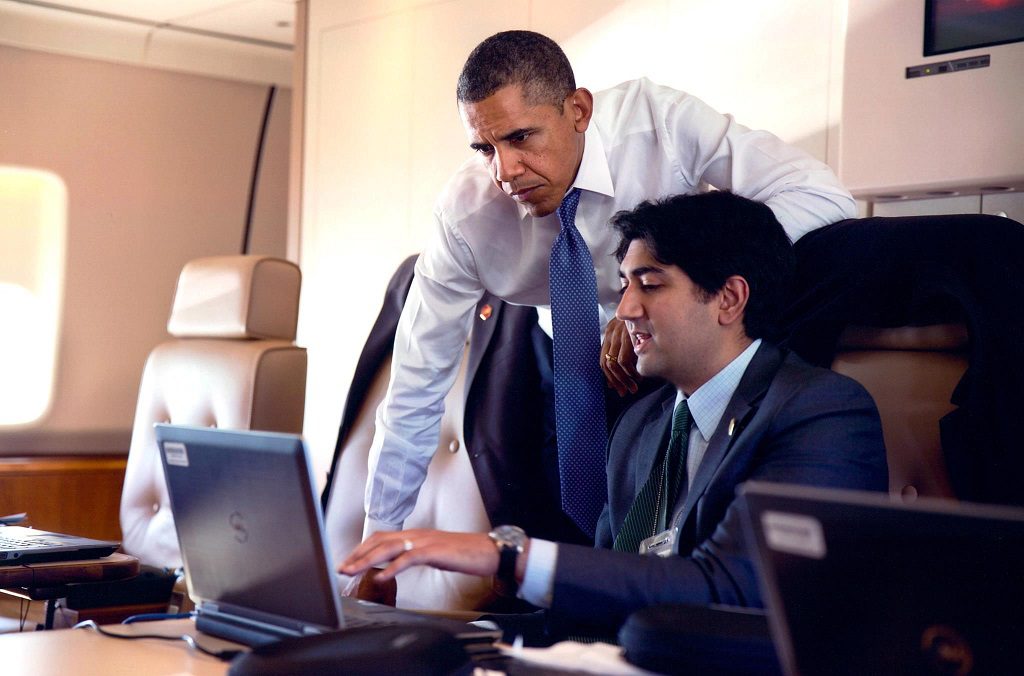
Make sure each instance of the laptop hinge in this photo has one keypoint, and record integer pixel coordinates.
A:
(236, 627)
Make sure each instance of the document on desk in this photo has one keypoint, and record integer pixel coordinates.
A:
(592, 658)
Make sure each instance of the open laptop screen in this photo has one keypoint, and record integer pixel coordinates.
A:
(249, 527)
(856, 583)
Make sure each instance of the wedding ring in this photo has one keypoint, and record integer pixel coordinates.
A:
(610, 358)
(407, 545)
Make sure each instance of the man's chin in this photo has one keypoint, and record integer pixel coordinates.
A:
(643, 369)
(539, 210)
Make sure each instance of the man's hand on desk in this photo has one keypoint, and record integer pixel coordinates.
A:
(618, 360)
(471, 553)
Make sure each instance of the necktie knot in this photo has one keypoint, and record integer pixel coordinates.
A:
(567, 210)
(681, 420)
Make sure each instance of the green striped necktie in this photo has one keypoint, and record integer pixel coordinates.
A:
(651, 510)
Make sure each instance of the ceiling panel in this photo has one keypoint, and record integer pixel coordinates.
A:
(251, 19)
(271, 20)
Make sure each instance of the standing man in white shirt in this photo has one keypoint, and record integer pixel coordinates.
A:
(539, 138)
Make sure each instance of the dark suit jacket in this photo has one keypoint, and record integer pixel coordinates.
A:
(794, 423)
(504, 421)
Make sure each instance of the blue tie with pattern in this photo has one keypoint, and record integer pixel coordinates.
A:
(580, 420)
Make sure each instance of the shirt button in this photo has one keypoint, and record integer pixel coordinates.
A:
(453, 447)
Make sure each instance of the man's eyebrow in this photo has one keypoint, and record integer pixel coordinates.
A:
(517, 132)
(480, 145)
(643, 270)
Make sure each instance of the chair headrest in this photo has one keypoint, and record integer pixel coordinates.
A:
(236, 297)
(933, 337)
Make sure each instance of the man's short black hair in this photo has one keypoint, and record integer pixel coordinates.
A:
(524, 58)
(713, 236)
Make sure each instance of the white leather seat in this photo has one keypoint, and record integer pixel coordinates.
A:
(448, 500)
(231, 363)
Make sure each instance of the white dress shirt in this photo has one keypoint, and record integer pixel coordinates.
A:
(644, 142)
(707, 405)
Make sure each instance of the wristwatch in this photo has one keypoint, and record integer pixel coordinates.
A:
(510, 541)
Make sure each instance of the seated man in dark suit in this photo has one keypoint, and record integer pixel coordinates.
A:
(703, 278)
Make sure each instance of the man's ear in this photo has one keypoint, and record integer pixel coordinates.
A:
(732, 302)
(580, 105)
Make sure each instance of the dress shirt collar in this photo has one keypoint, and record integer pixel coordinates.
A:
(593, 174)
(707, 403)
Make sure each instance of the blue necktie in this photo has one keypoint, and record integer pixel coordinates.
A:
(580, 423)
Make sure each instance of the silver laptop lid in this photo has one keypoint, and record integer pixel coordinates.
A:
(249, 526)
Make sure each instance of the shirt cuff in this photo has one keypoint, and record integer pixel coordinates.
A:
(539, 579)
(371, 526)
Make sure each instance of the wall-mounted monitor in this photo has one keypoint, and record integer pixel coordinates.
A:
(922, 136)
(954, 25)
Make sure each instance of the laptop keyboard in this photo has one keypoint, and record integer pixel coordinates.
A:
(353, 622)
(7, 542)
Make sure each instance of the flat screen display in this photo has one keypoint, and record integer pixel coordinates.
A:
(954, 25)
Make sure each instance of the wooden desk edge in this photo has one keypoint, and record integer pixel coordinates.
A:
(117, 566)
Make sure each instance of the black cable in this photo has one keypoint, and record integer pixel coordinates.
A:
(225, 655)
(256, 169)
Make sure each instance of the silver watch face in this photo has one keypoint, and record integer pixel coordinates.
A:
(513, 536)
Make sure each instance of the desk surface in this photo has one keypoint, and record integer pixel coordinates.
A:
(84, 652)
(55, 573)
(88, 653)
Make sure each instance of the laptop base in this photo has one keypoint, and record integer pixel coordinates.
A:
(230, 630)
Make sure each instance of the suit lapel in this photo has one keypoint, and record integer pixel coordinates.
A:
(480, 336)
(741, 409)
(653, 438)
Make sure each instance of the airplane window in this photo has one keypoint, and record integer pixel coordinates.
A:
(33, 217)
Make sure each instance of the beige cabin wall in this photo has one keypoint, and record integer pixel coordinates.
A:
(158, 166)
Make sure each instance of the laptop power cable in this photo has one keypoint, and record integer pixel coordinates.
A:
(225, 655)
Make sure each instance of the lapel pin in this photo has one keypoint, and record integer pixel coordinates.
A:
(732, 426)
(485, 311)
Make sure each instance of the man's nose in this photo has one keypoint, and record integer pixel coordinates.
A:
(507, 165)
(628, 308)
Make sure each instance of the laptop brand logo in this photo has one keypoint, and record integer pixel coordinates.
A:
(237, 522)
(946, 651)
(176, 454)
(794, 534)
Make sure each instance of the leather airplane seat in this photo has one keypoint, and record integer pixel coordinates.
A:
(911, 372)
(231, 363)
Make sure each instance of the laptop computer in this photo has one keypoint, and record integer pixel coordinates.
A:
(252, 540)
(20, 545)
(856, 583)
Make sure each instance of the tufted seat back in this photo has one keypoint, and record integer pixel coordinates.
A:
(448, 500)
(231, 362)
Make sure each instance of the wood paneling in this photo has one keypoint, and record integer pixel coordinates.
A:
(71, 494)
